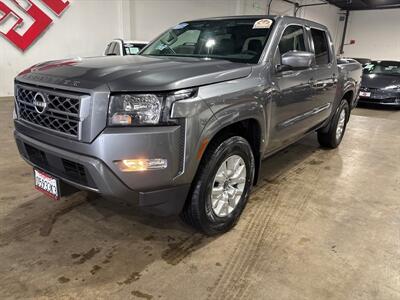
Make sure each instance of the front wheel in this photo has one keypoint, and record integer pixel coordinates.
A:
(221, 187)
(336, 128)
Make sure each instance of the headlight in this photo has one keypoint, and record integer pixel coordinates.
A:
(143, 109)
(135, 110)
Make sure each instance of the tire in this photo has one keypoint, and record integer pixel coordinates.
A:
(332, 138)
(199, 211)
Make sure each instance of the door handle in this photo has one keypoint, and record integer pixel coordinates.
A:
(317, 84)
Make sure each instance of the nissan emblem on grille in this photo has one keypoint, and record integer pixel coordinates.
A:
(50, 109)
(40, 103)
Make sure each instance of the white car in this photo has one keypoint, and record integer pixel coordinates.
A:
(120, 47)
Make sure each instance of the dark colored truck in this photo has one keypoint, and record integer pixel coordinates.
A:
(182, 128)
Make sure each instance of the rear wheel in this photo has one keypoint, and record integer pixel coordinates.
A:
(222, 186)
(336, 128)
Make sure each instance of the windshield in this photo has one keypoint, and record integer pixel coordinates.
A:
(383, 67)
(238, 40)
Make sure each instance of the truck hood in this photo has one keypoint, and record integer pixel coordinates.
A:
(134, 73)
(380, 81)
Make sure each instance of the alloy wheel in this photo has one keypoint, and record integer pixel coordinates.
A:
(228, 185)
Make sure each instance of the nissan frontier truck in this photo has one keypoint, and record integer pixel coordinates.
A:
(182, 127)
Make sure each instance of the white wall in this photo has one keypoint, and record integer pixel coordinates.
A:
(152, 17)
(329, 16)
(83, 30)
(376, 34)
(260, 7)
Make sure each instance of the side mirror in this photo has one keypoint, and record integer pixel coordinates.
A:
(297, 60)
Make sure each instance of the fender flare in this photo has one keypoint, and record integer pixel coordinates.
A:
(235, 114)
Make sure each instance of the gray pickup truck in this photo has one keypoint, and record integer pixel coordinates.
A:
(182, 128)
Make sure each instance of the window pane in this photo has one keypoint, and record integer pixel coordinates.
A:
(238, 40)
(112, 48)
(107, 52)
(117, 49)
(131, 50)
(383, 67)
(292, 39)
(320, 46)
(186, 42)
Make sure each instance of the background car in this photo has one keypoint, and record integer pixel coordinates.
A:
(381, 83)
(343, 61)
(119, 47)
(362, 61)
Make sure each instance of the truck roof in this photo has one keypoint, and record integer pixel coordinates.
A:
(274, 17)
(239, 17)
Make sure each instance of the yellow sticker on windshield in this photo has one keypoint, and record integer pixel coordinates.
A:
(262, 24)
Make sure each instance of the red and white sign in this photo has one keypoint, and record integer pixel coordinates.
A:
(22, 22)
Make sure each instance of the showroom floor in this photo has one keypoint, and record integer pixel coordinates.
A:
(320, 225)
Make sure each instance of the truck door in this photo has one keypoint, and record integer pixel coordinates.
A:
(325, 73)
(293, 99)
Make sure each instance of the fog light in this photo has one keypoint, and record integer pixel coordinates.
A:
(137, 165)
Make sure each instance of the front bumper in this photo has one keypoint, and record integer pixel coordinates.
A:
(91, 166)
(382, 101)
(380, 97)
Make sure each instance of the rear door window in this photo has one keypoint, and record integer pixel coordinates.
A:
(321, 46)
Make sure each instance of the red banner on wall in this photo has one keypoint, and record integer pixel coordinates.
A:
(22, 22)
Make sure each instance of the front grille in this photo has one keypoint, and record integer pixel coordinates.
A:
(366, 89)
(60, 115)
(58, 166)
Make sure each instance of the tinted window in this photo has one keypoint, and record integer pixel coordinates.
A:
(321, 46)
(117, 49)
(186, 42)
(292, 39)
(239, 40)
(383, 67)
(111, 48)
(133, 49)
(108, 49)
